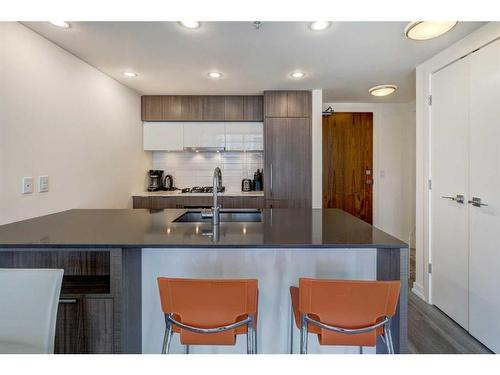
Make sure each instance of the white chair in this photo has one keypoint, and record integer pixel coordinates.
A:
(28, 309)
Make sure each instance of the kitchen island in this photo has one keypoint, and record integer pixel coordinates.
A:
(111, 260)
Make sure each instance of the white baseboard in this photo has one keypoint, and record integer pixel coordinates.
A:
(418, 290)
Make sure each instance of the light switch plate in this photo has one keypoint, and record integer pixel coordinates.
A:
(27, 185)
(43, 184)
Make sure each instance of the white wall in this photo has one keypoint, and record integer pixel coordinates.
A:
(317, 148)
(197, 168)
(393, 165)
(475, 40)
(63, 118)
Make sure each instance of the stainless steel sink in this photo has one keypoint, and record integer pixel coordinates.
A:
(226, 216)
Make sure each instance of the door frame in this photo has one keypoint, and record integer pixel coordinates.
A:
(479, 38)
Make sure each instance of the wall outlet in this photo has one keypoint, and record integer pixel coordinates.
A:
(43, 184)
(27, 185)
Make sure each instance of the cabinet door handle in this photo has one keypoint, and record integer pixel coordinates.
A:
(68, 300)
(476, 202)
(271, 172)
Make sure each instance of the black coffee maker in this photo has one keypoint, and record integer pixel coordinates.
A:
(155, 180)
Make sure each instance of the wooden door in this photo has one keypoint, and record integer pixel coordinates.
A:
(449, 240)
(484, 180)
(287, 177)
(347, 163)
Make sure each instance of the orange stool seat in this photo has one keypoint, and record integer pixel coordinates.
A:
(209, 312)
(344, 312)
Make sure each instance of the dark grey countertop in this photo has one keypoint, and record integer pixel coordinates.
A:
(300, 228)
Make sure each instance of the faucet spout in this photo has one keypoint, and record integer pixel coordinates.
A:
(217, 184)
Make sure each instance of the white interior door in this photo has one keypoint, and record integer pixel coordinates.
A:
(449, 173)
(485, 184)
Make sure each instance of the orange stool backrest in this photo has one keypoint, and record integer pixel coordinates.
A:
(348, 304)
(208, 304)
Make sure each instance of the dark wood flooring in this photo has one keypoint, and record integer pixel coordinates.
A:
(430, 331)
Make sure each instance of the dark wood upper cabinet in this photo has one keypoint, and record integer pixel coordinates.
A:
(287, 104)
(299, 104)
(191, 108)
(234, 108)
(152, 108)
(253, 108)
(202, 108)
(171, 108)
(213, 108)
(275, 104)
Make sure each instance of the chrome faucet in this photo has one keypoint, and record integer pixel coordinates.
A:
(214, 212)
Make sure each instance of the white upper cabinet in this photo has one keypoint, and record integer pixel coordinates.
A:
(179, 136)
(204, 135)
(244, 136)
(159, 136)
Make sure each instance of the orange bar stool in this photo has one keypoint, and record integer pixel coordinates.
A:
(344, 312)
(209, 312)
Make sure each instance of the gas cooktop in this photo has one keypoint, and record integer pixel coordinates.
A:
(202, 189)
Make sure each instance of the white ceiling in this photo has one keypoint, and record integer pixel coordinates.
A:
(344, 60)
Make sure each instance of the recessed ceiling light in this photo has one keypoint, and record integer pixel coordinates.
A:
(383, 90)
(190, 24)
(319, 25)
(424, 30)
(297, 75)
(61, 24)
(215, 75)
(130, 74)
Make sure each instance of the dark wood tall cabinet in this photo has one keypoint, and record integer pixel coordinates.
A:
(287, 149)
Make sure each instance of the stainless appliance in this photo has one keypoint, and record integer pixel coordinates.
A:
(155, 180)
(168, 182)
(258, 181)
(246, 184)
(158, 183)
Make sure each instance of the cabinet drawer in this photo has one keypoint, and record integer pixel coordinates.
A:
(243, 202)
(74, 262)
(141, 202)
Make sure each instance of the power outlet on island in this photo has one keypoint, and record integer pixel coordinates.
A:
(27, 185)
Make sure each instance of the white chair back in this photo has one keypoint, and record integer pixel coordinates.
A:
(28, 309)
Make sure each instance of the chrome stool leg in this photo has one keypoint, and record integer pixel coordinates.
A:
(186, 349)
(360, 350)
(291, 328)
(167, 337)
(303, 334)
(388, 337)
(250, 337)
(255, 341)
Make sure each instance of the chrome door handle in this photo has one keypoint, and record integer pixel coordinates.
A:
(476, 202)
(271, 182)
(459, 198)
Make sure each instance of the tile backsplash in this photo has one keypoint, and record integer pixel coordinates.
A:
(196, 168)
